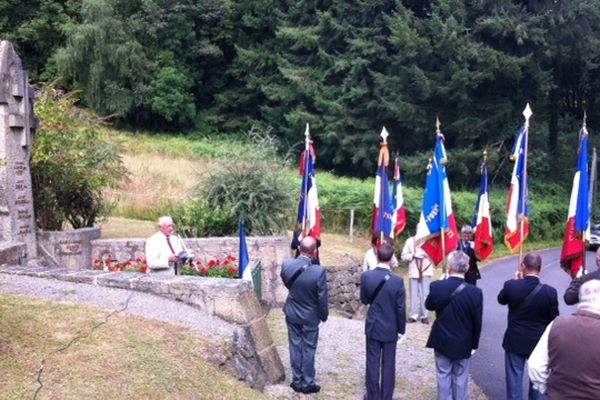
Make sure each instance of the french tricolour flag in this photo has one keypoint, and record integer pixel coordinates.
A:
(309, 215)
(578, 221)
(382, 223)
(482, 222)
(517, 208)
(436, 218)
(399, 211)
(244, 270)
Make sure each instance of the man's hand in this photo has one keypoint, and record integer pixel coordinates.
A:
(518, 275)
(173, 258)
(401, 338)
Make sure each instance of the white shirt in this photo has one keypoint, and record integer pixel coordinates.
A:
(371, 261)
(538, 362)
(158, 251)
(411, 253)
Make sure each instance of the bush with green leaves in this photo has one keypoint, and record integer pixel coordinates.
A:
(254, 185)
(195, 218)
(72, 162)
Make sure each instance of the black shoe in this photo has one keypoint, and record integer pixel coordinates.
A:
(411, 319)
(296, 388)
(425, 321)
(311, 389)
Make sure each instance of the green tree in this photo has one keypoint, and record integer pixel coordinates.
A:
(71, 164)
(36, 28)
(103, 59)
(170, 91)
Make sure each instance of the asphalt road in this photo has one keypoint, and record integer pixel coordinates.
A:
(487, 366)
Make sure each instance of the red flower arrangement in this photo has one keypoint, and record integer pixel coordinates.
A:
(107, 263)
(216, 268)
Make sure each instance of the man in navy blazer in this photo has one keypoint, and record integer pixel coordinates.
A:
(385, 324)
(531, 307)
(455, 333)
(305, 306)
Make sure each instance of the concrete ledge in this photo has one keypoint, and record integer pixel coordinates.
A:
(254, 357)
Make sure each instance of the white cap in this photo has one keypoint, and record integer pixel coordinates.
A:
(165, 220)
(589, 296)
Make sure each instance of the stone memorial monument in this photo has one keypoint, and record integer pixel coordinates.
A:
(17, 126)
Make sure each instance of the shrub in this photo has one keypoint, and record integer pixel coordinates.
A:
(253, 186)
(195, 218)
(72, 162)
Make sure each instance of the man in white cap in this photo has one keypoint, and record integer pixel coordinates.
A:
(163, 248)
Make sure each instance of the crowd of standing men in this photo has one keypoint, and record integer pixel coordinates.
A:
(454, 337)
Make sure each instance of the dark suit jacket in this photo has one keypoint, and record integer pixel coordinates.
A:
(457, 326)
(526, 324)
(572, 293)
(306, 303)
(387, 316)
(472, 274)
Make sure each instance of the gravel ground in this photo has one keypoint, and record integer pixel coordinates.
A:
(340, 353)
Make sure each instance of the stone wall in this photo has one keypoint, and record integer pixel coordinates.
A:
(71, 249)
(344, 288)
(12, 253)
(271, 251)
(250, 348)
(343, 279)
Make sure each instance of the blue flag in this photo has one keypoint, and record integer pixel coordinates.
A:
(243, 259)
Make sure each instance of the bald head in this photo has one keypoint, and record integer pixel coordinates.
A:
(532, 263)
(308, 245)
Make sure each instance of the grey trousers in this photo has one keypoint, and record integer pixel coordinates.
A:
(418, 294)
(452, 378)
(303, 346)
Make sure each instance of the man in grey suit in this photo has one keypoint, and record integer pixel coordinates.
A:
(305, 307)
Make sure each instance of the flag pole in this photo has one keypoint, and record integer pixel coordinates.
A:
(527, 114)
(438, 131)
(583, 250)
(305, 180)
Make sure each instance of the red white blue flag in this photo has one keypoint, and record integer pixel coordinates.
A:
(437, 219)
(382, 223)
(578, 220)
(309, 215)
(517, 208)
(244, 270)
(399, 211)
(482, 221)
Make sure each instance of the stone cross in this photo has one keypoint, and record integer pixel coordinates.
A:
(17, 127)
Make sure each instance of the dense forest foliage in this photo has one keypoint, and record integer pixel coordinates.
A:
(348, 67)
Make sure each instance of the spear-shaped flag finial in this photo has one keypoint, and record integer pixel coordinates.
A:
(527, 113)
(384, 134)
(584, 118)
(438, 125)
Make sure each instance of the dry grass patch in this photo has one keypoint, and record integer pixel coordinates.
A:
(153, 180)
(123, 228)
(128, 357)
